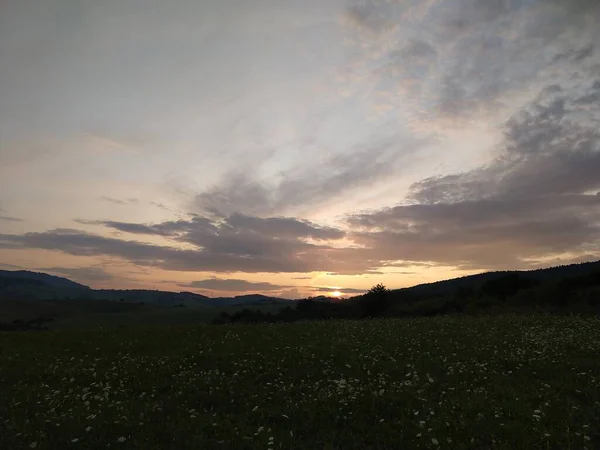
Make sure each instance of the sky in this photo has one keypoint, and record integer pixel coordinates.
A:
(297, 148)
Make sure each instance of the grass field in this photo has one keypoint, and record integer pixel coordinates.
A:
(513, 382)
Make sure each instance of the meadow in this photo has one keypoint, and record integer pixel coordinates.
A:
(509, 382)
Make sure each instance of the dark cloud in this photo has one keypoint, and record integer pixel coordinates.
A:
(233, 285)
(239, 243)
(576, 54)
(284, 227)
(167, 229)
(374, 16)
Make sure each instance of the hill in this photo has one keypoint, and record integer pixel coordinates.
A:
(9, 278)
(31, 300)
(475, 282)
(28, 285)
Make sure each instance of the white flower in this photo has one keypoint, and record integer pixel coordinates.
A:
(33, 445)
(435, 441)
(121, 439)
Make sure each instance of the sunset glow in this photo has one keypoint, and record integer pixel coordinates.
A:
(284, 147)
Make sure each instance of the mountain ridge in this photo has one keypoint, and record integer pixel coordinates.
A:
(29, 284)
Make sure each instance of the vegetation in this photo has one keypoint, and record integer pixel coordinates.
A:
(505, 293)
(448, 382)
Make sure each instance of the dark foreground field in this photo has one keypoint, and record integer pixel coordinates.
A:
(507, 383)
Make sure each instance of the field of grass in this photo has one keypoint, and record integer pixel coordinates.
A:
(148, 315)
(512, 382)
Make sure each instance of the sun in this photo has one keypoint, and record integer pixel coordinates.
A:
(336, 294)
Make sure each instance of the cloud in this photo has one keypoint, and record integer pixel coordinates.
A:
(463, 58)
(313, 184)
(536, 200)
(117, 201)
(202, 230)
(233, 285)
(161, 206)
(6, 218)
(238, 243)
(10, 219)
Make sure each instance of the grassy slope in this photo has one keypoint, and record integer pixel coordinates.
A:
(152, 316)
(507, 382)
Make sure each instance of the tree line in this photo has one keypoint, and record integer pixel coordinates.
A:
(512, 292)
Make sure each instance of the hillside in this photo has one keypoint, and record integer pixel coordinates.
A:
(37, 299)
(25, 285)
(475, 282)
(27, 277)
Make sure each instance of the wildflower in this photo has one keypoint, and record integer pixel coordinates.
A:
(434, 441)
(121, 439)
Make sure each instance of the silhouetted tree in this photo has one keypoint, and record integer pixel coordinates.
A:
(375, 302)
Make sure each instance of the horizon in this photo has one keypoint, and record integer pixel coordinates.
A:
(334, 294)
(297, 150)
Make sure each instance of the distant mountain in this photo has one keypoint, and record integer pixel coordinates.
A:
(240, 300)
(33, 285)
(25, 277)
(15, 285)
